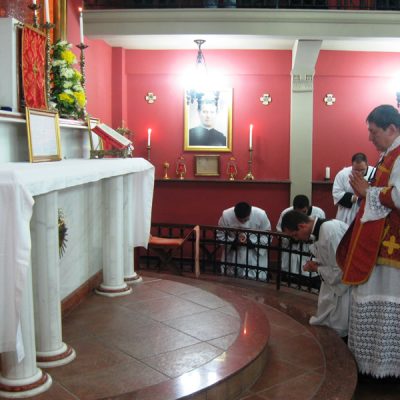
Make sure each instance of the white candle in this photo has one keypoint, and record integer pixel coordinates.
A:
(34, 2)
(148, 136)
(327, 173)
(81, 24)
(251, 137)
(46, 9)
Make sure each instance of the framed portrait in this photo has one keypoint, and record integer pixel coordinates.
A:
(208, 120)
(43, 130)
(206, 165)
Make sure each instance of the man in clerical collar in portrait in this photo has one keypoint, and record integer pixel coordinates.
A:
(206, 134)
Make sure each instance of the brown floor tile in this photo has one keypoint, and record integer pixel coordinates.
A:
(56, 392)
(302, 387)
(204, 299)
(149, 340)
(207, 325)
(177, 362)
(224, 342)
(276, 372)
(91, 355)
(302, 350)
(122, 378)
(168, 307)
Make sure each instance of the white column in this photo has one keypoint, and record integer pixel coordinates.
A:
(24, 379)
(50, 349)
(113, 239)
(130, 275)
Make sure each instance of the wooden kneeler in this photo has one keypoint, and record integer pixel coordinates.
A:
(166, 247)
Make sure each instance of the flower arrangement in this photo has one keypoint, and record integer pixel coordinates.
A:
(67, 93)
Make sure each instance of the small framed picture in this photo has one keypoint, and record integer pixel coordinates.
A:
(43, 130)
(206, 165)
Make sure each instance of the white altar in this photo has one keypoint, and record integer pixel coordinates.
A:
(107, 206)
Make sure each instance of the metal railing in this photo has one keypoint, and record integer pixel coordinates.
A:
(296, 4)
(265, 256)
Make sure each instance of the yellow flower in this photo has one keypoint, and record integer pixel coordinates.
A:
(66, 97)
(80, 98)
(68, 56)
(78, 75)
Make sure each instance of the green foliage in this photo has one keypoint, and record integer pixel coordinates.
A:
(67, 93)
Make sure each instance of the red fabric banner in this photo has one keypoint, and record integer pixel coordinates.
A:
(34, 67)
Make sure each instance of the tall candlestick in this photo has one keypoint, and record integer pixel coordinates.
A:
(46, 9)
(148, 136)
(251, 137)
(81, 23)
(327, 173)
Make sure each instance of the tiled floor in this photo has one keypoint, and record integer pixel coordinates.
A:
(174, 336)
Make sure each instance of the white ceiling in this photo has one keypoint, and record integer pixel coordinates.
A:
(169, 29)
(232, 42)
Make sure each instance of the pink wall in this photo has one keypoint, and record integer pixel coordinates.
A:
(250, 73)
(98, 61)
(118, 81)
(359, 81)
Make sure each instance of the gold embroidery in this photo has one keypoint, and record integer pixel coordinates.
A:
(391, 244)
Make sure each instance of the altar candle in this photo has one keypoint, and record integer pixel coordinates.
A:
(327, 173)
(148, 136)
(251, 137)
(46, 9)
(34, 2)
(81, 23)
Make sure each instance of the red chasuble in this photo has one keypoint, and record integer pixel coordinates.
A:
(365, 244)
(33, 67)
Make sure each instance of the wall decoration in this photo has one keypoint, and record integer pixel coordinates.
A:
(208, 121)
(265, 99)
(43, 135)
(329, 99)
(206, 165)
(151, 97)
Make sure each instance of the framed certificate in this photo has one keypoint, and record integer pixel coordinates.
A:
(43, 131)
(207, 165)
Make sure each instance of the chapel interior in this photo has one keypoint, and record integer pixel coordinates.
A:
(100, 315)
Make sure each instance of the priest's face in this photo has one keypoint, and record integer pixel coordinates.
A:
(301, 234)
(382, 138)
(208, 115)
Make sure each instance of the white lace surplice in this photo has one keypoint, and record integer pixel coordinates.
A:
(374, 332)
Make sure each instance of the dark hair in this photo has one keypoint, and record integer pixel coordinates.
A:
(242, 210)
(359, 157)
(301, 201)
(292, 219)
(383, 116)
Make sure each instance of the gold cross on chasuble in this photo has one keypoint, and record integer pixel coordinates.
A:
(391, 245)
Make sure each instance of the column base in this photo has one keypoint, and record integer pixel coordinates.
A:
(21, 388)
(50, 359)
(108, 291)
(135, 278)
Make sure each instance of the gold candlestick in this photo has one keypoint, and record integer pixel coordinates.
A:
(35, 8)
(48, 26)
(82, 47)
(249, 176)
(166, 166)
(148, 152)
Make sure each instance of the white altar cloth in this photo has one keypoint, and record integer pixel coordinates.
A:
(19, 182)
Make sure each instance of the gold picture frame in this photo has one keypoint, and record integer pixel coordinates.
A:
(207, 165)
(43, 130)
(208, 120)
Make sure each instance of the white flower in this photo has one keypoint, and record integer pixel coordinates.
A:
(67, 84)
